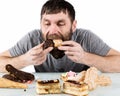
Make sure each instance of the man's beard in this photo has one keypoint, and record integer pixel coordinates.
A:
(65, 37)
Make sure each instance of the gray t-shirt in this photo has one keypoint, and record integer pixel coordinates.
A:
(89, 42)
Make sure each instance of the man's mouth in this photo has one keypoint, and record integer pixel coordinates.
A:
(54, 36)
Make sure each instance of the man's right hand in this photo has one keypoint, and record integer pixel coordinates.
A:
(36, 55)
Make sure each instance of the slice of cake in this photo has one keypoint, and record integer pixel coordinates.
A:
(48, 86)
(80, 84)
(75, 88)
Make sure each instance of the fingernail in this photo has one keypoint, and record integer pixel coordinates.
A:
(51, 48)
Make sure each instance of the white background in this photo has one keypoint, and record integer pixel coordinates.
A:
(18, 17)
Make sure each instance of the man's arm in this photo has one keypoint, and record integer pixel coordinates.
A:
(34, 56)
(108, 63)
(6, 58)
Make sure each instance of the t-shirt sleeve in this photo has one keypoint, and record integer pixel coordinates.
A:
(20, 47)
(24, 44)
(96, 44)
(92, 43)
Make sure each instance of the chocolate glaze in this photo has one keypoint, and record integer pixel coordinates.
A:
(48, 43)
(56, 53)
(75, 82)
(10, 77)
(48, 81)
(18, 75)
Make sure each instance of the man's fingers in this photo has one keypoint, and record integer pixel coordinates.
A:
(37, 49)
(48, 50)
(67, 48)
(40, 46)
(68, 53)
(36, 52)
(64, 48)
(69, 43)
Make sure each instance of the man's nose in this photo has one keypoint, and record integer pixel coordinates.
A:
(53, 29)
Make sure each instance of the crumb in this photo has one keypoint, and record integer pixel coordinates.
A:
(24, 90)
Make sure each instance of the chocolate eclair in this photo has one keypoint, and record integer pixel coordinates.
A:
(55, 43)
(18, 75)
(54, 40)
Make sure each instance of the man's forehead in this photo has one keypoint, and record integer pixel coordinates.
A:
(57, 16)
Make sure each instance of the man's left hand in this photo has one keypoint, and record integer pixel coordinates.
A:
(73, 50)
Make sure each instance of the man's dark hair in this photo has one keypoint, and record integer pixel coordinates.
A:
(56, 6)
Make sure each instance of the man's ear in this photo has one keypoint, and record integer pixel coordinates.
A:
(74, 25)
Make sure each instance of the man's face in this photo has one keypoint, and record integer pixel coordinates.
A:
(56, 26)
